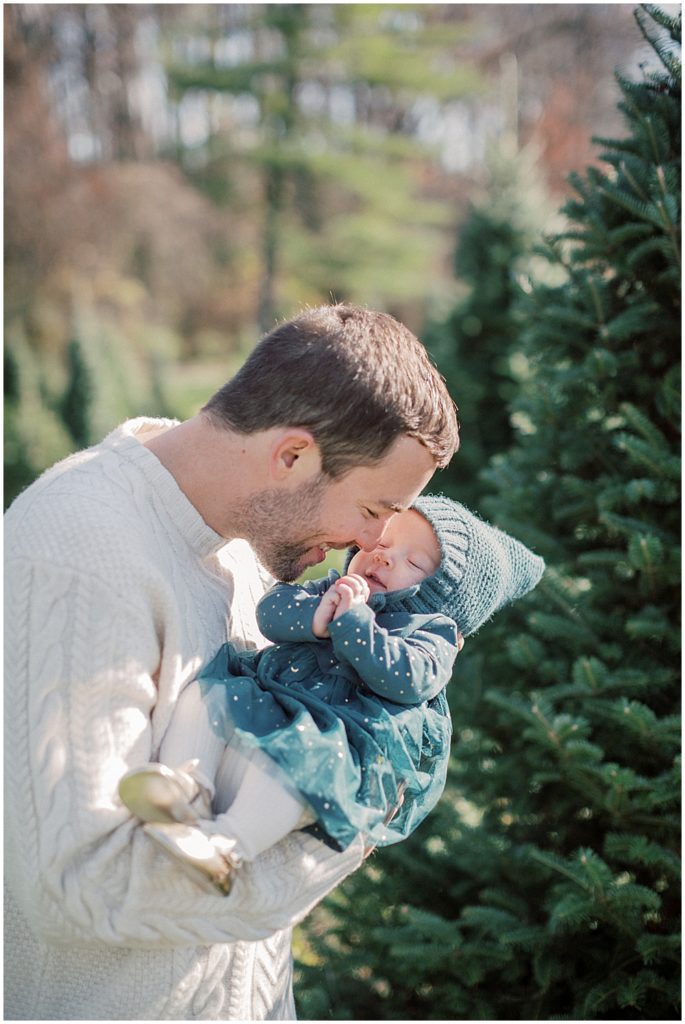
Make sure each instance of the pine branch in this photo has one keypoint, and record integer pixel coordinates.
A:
(670, 62)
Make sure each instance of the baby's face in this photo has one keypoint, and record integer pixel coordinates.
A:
(407, 552)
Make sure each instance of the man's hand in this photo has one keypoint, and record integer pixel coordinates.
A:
(353, 590)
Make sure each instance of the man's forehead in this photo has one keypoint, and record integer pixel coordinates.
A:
(392, 484)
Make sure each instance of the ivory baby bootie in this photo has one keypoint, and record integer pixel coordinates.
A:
(211, 860)
(154, 792)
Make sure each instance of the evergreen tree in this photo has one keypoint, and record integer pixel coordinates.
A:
(17, 471)
(546, 884)
(35, 435)
(75, 404)
(474, 345)
(66, 400)
(331, 147)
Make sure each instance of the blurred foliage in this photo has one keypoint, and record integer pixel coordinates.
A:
(341, 195)
(178, 176)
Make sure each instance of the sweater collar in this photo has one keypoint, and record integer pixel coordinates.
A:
(128, 440)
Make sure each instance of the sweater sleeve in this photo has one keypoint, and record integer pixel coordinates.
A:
(404, 669)
(82, 669)
(286, 611)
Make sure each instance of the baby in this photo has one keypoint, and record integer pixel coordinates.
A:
(342, 724)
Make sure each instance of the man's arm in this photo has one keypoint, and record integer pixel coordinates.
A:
(84, 665)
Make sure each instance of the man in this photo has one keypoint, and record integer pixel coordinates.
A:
(128, 565)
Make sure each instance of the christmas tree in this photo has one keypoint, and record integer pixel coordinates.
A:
(78, 396)
(474, 344)
(546, 884)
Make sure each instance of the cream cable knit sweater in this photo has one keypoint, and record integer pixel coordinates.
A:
(116, 593)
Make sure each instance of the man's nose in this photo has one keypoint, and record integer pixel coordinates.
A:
(368, 538)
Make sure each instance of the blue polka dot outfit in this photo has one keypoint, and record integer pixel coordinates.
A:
(358, 725)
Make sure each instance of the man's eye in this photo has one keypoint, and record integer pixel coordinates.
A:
(371, 513)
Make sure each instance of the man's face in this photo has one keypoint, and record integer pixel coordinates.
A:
(291, 530)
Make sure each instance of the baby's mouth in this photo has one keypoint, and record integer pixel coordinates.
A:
(374, 579)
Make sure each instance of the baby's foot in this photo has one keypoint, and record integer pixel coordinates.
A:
(211, 860)
(155, 792)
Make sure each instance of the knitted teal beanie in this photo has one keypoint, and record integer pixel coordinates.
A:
(482, 568)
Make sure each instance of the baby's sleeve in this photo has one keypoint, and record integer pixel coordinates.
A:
(403, 669)
(286, 611)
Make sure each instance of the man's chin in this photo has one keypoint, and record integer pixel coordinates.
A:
(286, 574)
(287, 569)
(308, 561)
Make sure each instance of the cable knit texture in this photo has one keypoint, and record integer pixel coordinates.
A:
(117, 594)
(482, 569)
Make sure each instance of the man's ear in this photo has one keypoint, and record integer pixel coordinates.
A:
(294, 456)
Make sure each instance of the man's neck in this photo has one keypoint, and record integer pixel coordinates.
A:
(211, 465)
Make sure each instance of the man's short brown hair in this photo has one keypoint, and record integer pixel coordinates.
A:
(355, 378)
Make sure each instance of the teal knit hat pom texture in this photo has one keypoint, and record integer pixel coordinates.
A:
(482, 568)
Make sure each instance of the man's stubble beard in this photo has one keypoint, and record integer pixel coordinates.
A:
(280, 525)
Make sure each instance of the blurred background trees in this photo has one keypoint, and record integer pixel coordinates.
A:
(332, 167)
(179, 176)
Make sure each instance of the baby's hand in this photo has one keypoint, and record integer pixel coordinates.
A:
(324, 613)
(353, 590)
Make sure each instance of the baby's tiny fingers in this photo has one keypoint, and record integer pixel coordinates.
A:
(357, 578)
(357, 583)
